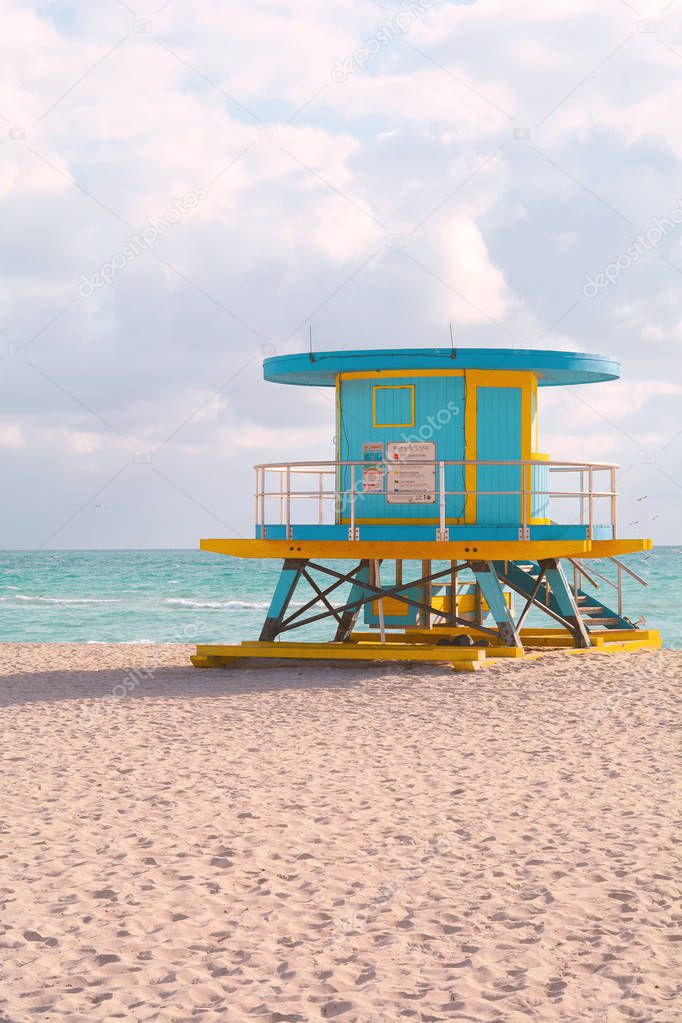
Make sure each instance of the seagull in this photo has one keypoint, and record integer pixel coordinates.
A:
(642, 498)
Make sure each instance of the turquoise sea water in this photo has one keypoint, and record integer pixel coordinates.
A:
(187, 596)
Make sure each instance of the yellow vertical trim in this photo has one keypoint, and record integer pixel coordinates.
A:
(534, 453)
(536, 441)
(526, 445)
(337, 502)
(470, 420)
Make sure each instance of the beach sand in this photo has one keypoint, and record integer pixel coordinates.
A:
(357, 843)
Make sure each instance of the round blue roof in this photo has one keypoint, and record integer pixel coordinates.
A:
(551, 368)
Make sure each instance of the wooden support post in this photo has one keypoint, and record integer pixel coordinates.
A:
(428, 590)
(453, 591)
(380, 601)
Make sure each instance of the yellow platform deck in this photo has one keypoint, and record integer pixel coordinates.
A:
(421, 646)
(484, 550)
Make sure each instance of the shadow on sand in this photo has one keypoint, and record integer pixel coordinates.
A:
(186, 682)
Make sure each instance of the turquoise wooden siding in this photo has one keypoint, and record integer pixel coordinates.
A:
(438, 417)
(498, 436)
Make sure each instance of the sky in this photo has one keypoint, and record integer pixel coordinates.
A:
(186, 189)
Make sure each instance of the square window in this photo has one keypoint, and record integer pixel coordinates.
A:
(393, 405)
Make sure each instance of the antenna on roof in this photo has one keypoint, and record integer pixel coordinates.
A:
(310, 342)
(453, 350)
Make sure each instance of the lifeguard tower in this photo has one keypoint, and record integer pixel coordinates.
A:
(438, 522)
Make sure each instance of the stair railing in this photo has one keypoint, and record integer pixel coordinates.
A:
(617, 585)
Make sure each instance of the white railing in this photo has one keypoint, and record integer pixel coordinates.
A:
(334, 492)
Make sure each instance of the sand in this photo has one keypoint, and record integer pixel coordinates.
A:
(354, 843)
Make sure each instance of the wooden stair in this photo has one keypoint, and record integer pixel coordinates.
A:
(596, 616)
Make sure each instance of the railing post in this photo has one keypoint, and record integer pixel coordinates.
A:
(441, 486)
(257, 498)
(524, 518)
(288, 503)
(262, 501)
(582, 497)
(321, 498)
(380, 601)
(281, 498)
(590, 503)
(614, 504)
(352, 502)
(619, 576)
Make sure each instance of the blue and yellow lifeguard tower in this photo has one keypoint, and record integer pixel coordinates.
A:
(438, 521)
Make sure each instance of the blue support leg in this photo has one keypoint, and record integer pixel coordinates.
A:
(565, 601)
(281, 598)
(357, 592)
(487, 579)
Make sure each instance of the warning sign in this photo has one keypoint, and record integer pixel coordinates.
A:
(372, 468)
(411, 472)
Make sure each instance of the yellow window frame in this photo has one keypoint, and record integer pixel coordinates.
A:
(391, 387)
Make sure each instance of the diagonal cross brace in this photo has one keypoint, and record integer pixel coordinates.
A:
(393, 591)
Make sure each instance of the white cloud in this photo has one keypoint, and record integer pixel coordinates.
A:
(420, 145)
(467, 266)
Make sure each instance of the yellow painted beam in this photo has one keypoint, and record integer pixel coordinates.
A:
(212, 662)
(621, 647)
(417, 633)
(354, 550)
(612, 635)
(416, 638)
(504, 651)
(635, 640)
(341, 652)
(614, 548)
(423, 635)
(377, 374)
(374, 637)
(459, 658)
(631, 644)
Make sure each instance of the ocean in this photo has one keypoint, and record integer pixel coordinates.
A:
(182, 596)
